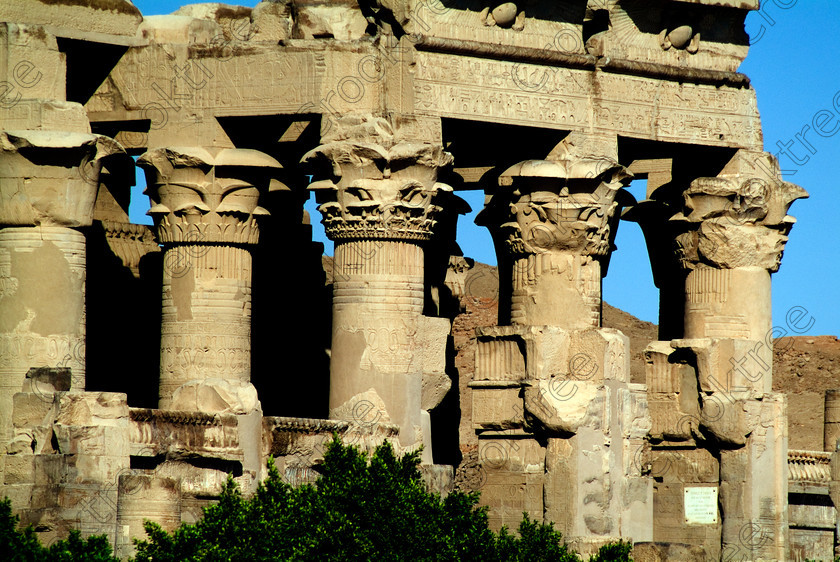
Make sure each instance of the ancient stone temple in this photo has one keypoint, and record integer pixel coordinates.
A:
(139, 365)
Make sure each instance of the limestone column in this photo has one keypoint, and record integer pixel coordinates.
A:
(205, 205)
(48, 184)
(731, 234)
(733, 229)
(554, 372)
(554, 223)
(379, 206)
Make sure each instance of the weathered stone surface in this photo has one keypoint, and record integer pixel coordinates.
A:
(112, 17)
(215, 395)
(549, 109)
(432, 343)
(33, 409)
(38, 70)
(662, 552)
(49, 193)
(272, 21)
(143, 497)
(497, 408)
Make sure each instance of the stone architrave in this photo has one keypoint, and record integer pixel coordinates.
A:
(555, 222)
(205, 204)
(48, 184)
(379, 199)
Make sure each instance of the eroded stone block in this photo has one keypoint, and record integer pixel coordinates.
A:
(32, 410)
(497, 407)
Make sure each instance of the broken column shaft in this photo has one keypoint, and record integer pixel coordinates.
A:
(731, 234)
(48, 184)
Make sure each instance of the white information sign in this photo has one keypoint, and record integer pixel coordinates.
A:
(701, 505)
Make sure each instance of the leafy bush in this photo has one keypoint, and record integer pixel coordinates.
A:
(359, 509)
(614, 552)
(23, 546)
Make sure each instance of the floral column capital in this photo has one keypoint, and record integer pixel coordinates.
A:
(208, 194)
(567, 205)
(739, 218)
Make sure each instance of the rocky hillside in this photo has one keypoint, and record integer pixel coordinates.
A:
(805, 367)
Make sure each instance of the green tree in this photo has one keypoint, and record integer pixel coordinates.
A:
(359, 509)
(618, 551)
(23, 545)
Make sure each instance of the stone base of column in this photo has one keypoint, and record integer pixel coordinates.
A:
(560, 424)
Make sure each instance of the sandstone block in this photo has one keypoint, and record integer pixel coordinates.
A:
(634, 411)
(215, 395)
(19, 469)
(738, 366)
(499, 356)
(19, 494)
(509, 494)
(663, 552)
(48, 380)
(183, 30)
(497, 407)
(31, 409)
(113, 17)
(435, 388)
(272, 22)
(565, 405)
(511, 455)
(38, 68)
(600, 354)
(93, 408)
(92, 440)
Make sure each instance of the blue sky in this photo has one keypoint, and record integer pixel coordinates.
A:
(794, 69)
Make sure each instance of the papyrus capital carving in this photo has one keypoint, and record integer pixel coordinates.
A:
(739, 218)
(203, 195)
(374, 185)
(566, 205)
